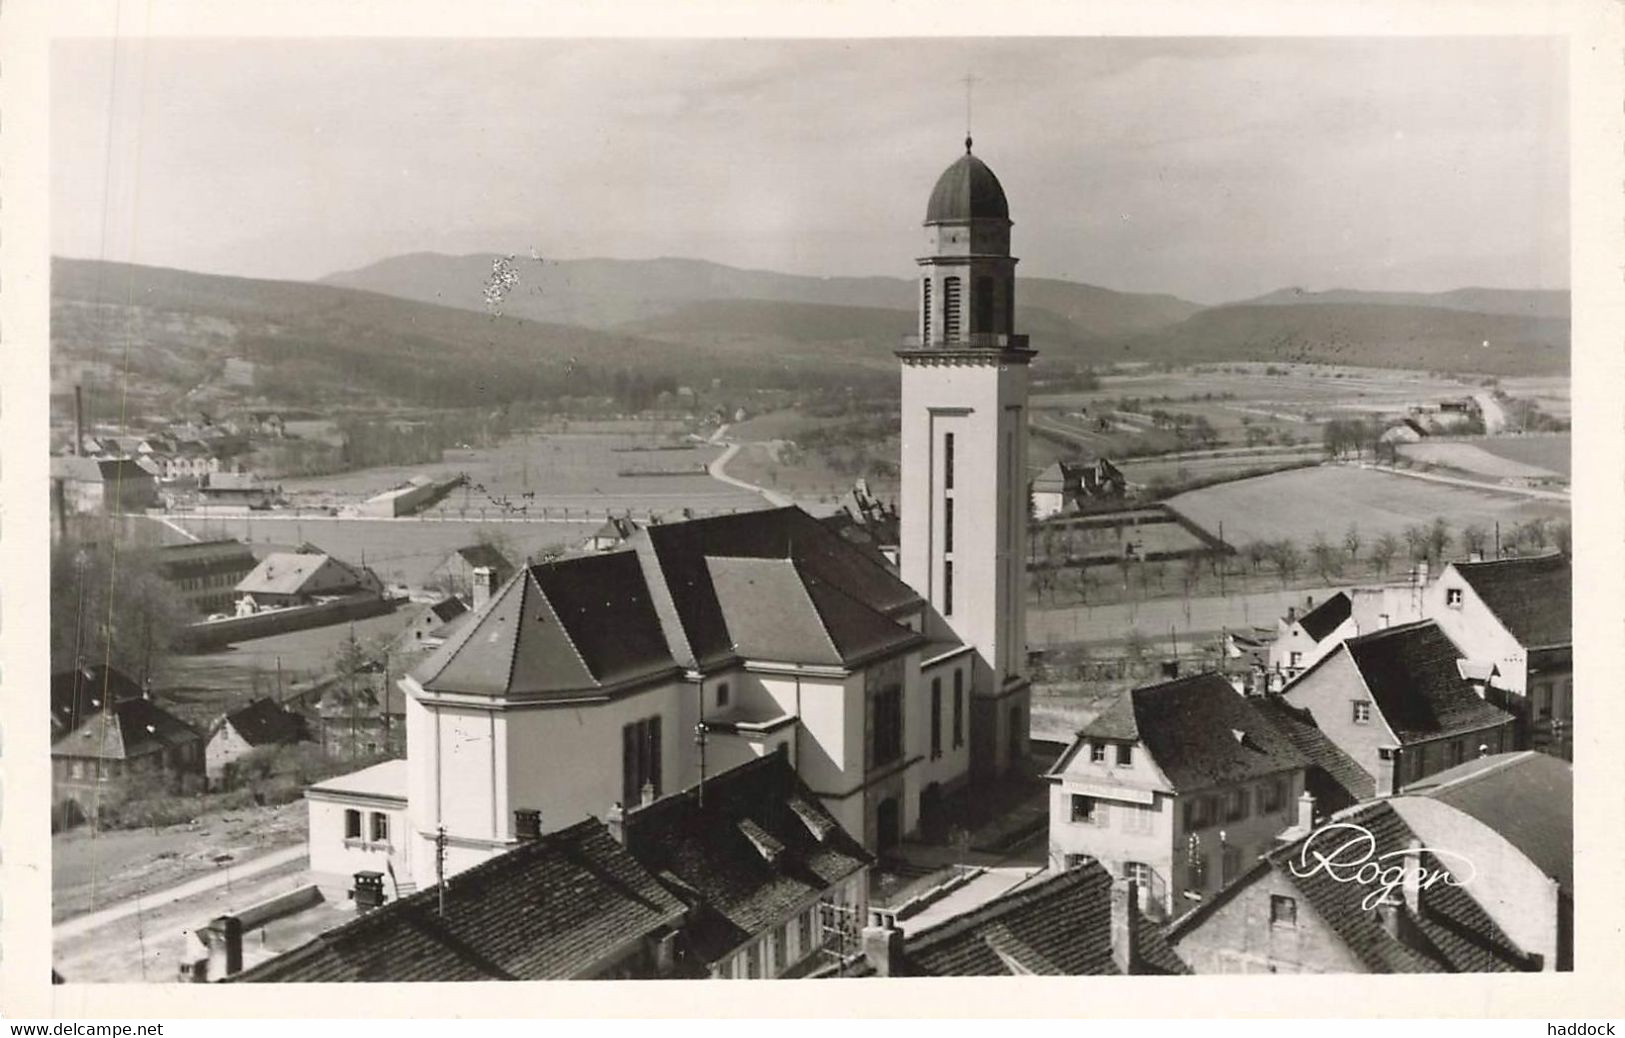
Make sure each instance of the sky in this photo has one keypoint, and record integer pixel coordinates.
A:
(1213, 169)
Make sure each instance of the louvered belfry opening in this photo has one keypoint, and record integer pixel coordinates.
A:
(950, 309)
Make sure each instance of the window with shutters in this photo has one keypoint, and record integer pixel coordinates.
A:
(936, 718)
(950, 310)
(640, 759)
(959, 709)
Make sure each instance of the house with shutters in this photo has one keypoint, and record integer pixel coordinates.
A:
(1178, 786)
(1513, 620)
(1402, 703)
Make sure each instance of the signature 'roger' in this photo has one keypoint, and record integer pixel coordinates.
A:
(1347, 853)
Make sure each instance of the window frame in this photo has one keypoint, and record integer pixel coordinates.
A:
(1360, 711)
(1092, 809)
(936, 717)
(352, 823)
(1125, 755)
(1283, 910)
(1097, 752)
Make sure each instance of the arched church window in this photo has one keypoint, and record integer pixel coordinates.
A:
(950, 310)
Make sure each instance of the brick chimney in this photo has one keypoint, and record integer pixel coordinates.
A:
(484, 585)
(615, 822)
(369, 891)
(883, 945)
(1306, 811)
(1125, 932)
(527, 824)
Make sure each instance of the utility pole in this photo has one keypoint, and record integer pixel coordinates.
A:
(440, 868)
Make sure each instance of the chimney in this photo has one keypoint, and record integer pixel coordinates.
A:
(1422, 573)
(78, 420)
(484, 581)
(369, 891)
(225, 941)
(883, 945)
(648, 793)
(1125, 936)
(1291, 615)
(527, 824)
(1391, 916)
(1412, 881)
(1475, 556)
(615, 822)
(1306, 811)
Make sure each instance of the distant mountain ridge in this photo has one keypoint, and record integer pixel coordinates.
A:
(1541, 302)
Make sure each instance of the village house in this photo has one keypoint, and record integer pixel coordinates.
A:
(284, 579)
(614, 533)
(455, 573)
(1077, 922)
(238, 490)
(365, 715)
(1332, 779)
(129, 745)
(1512, 619)
(357, 823)
(427, 630)
(572, 904)
(1303, 639)
(262, 724)
(764, 869)
(1060, 488)
(80, 692)
(1289, 913)
(101, 486)
(1403, 704)
(1178, 786)
(205, 574)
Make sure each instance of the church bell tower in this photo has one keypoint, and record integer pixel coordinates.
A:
(964, 454)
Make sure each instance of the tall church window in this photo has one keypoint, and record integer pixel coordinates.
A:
(948, 461)
(948, 525)
(948, 587)
(936, 718)
(925, 311)
(886, 714)
(640, 759)
(950, 310)
(959, 708)
(982, 321)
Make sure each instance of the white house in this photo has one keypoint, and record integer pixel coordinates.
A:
(358, 823)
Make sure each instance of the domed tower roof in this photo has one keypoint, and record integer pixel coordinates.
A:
(967, 190)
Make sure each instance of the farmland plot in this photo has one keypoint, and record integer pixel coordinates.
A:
(1298, 504)
(1484, 458)
(1553, 453)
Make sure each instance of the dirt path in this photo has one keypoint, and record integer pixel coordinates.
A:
(1500, 488)
(718, 470)
(232, 872)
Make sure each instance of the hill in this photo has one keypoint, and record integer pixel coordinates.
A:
(607, 293)
(1517, 302)
(313, 344)
(1365, 334)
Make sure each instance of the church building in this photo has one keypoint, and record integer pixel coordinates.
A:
(625, 676)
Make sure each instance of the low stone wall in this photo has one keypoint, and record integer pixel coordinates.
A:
(209, 635)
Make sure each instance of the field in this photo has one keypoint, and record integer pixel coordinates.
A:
(1553, 453)
(1181, 469)
(1488, 458)
(1300, 503)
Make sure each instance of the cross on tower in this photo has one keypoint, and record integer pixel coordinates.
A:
(970, 82)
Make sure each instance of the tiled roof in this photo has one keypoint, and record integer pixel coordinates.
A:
(758, 849)
(674, 557)
(1327, 617)
(545, 910)
(76, 694)
(1527, 797)
(1412, 674)
(476, 555)
(1200, 732)
(775, 612)
(561, 629)
(264, 723)
(1532, 597)
(282, 573)
(131, 728)
(1334, 779)
(1060, 925)
(1454, 934)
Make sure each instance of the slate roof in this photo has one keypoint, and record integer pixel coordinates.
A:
(1189, 727)
(775, 612)
(1532, 597)
(1058, 926)
(545, 910)
(131, 728)
(76, 694)
(1334, 779)
(283, 573)
(1456, 935)
(967, 190)
(1412, 675)
(477, 555)
(1327, 617)
(674, 558)
(1527, 797)
(560, 630)
(760, 848)
(265, 723)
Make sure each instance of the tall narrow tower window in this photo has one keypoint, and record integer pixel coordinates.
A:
(950, 311)
(947, 587)
(948, 461)
(948, 525)
(983, 321)
(925, 312)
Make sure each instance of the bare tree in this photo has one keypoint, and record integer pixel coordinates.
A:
(1351, 541)
(1439, 539)
(1288, 559)
(1474, 537)
(1383, 551)
(1416, 541)
(1325, 558)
